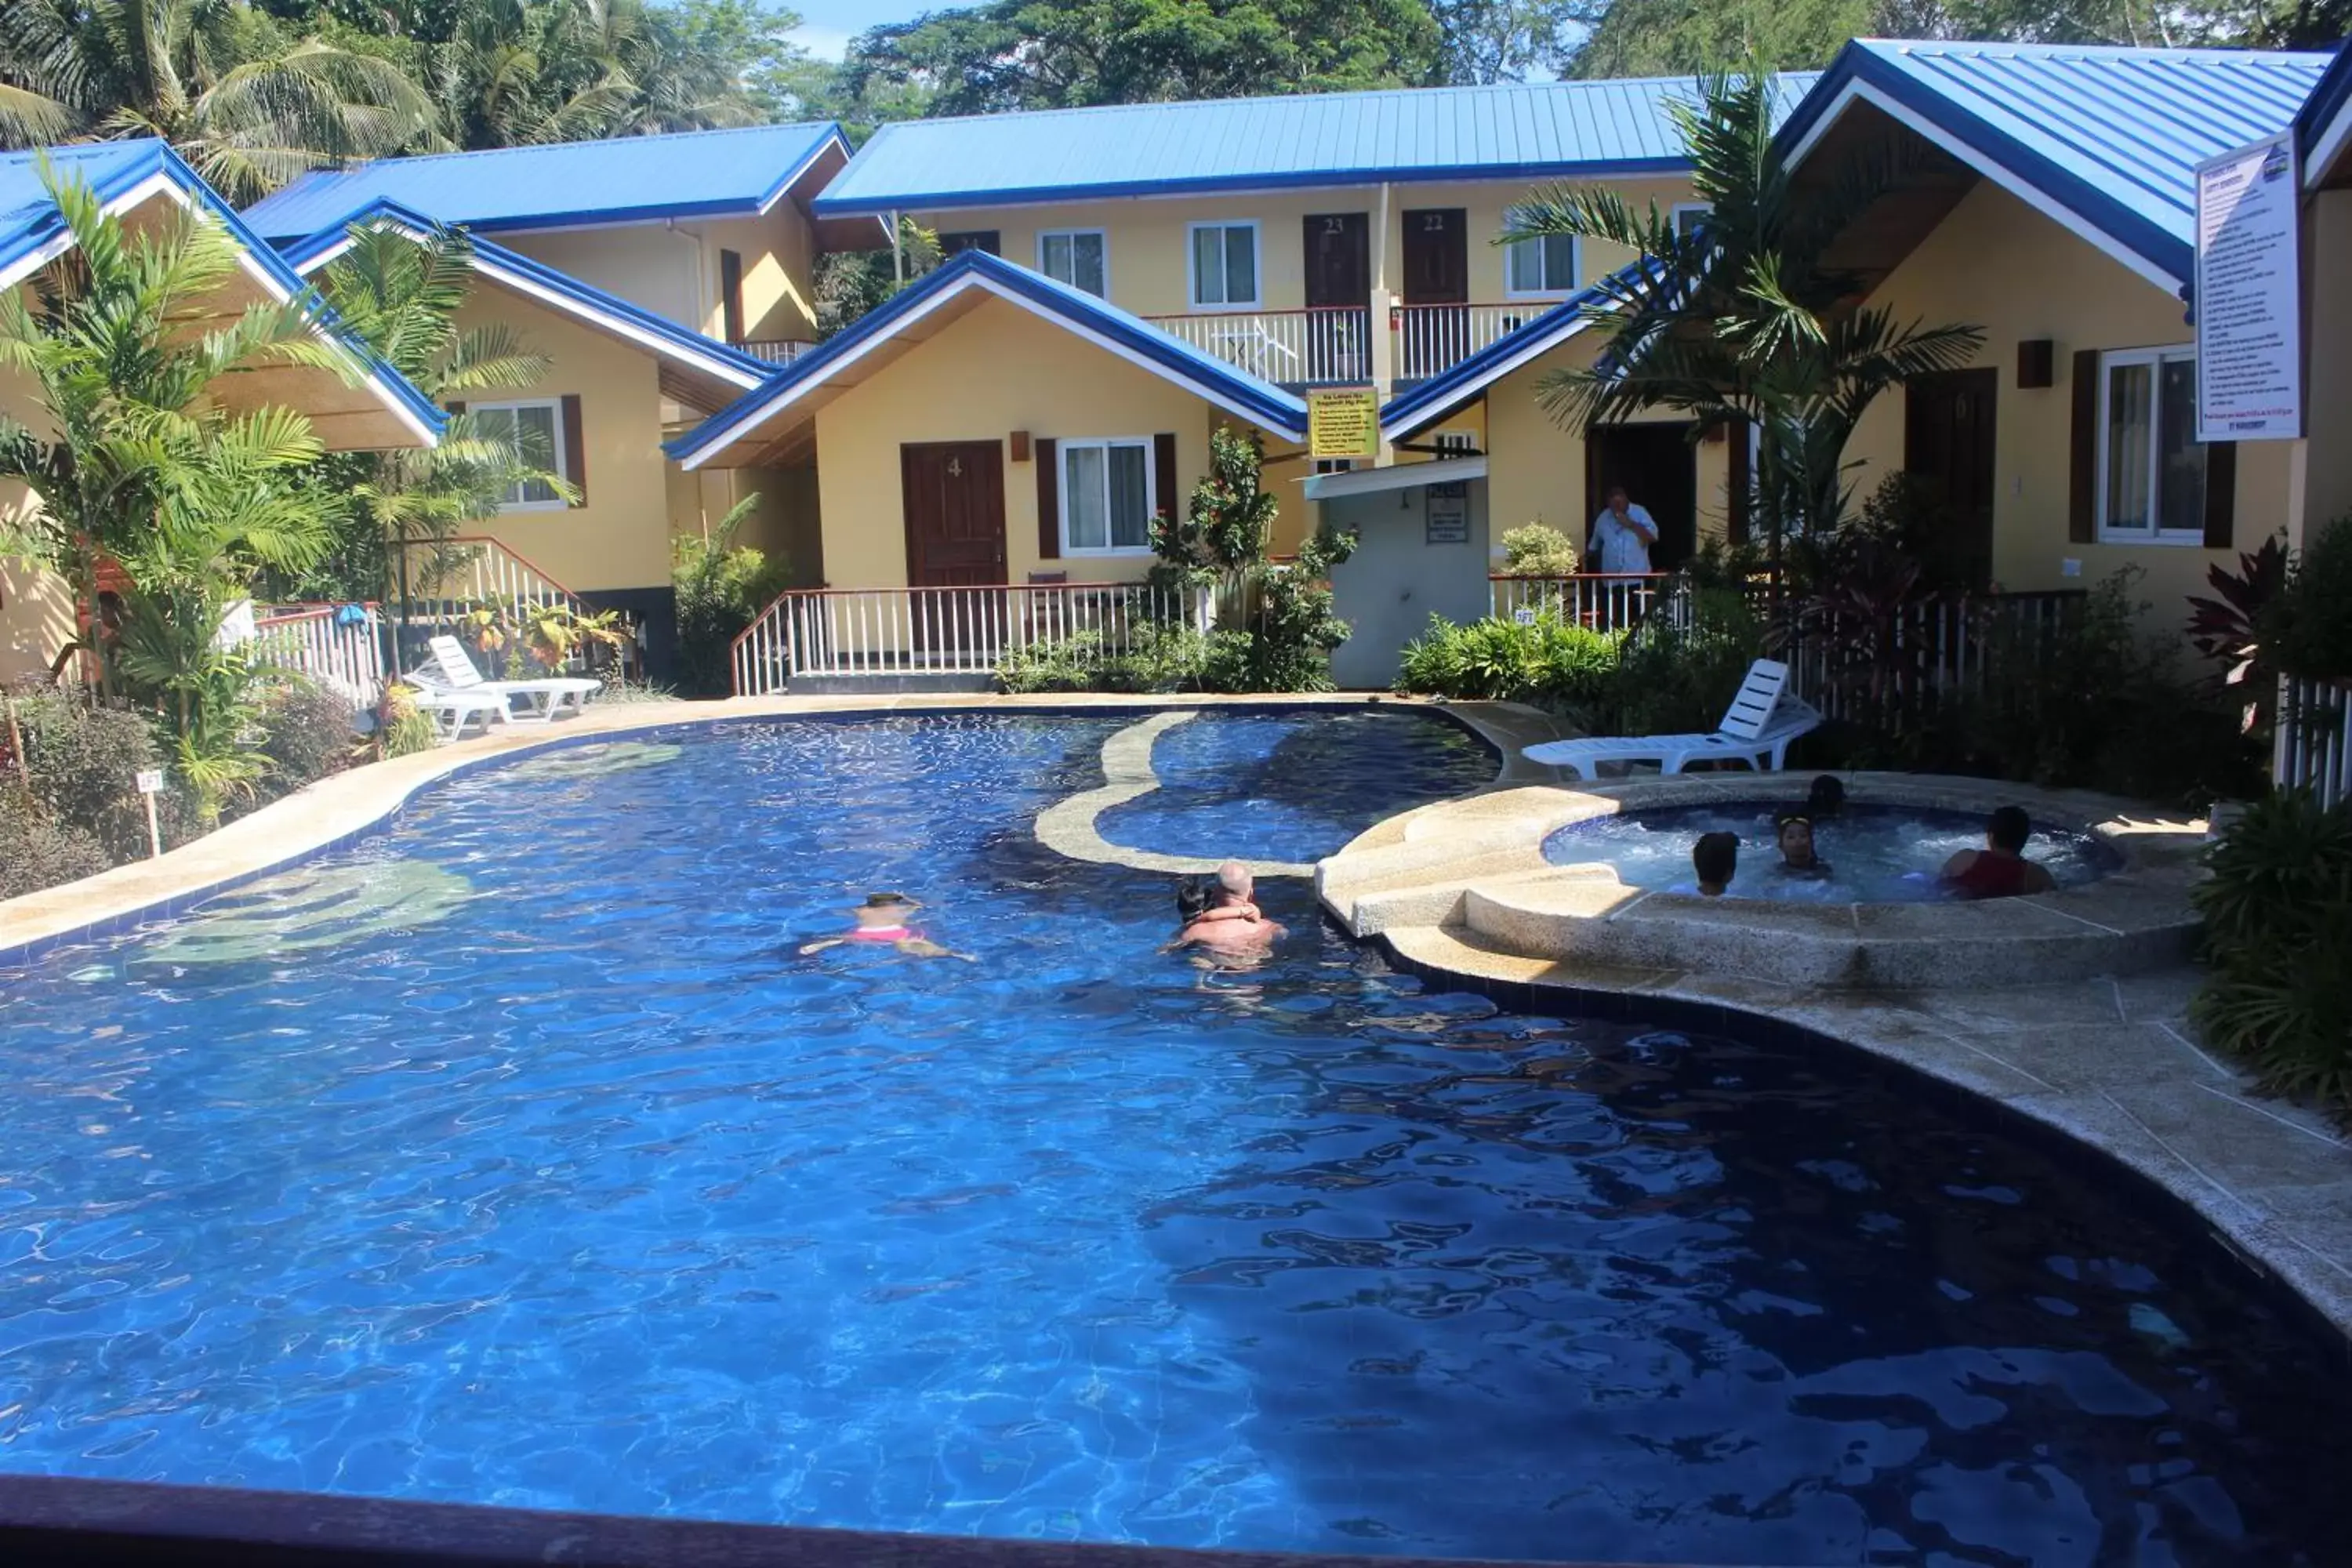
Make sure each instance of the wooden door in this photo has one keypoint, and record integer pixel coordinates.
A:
(1338, 250)
(954, 497)
(1437, 257)
(1658, 466)
(1947, 448)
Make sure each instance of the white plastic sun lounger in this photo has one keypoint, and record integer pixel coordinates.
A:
(451, 670)
(457, 714)
(1756, 729)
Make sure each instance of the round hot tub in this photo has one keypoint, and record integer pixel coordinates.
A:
(1869, 853)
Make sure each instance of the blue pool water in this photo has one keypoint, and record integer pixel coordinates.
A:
(1262, 787)
(1875, 853)
(519, 1157)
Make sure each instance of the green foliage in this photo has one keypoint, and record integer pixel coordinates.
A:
(1549, 661)
(851, 282)
(2310, 623)
(38, 851)
(1537, 550)
(1282, 614)
(401, 729)
(81, 763)
(1677, 677)
(2226, 626)
(721, 587)
(305, 730)
(2278, 914)
(1154, 657)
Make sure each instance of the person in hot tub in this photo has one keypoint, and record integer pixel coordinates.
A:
(1794, 834)
(882, 920)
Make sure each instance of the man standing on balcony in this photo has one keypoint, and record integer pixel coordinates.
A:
(1622, 535)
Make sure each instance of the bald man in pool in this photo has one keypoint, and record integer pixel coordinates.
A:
(1231, 923)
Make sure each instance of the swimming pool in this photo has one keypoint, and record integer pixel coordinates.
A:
(556, 1177)
(1875, 853)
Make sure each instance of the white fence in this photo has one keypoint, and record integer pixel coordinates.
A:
(888, 632)
(1432, 339)
(343, 655)
(1603, 601)
(1891, 670)
(776, 350)
(2310, 748)
(475, 570)
(1295, 347)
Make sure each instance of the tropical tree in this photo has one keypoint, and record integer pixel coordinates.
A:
(1744, 320)
(248, 105)
(140, 465)
(401, 295)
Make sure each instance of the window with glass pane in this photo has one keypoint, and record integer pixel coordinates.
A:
(1542, 266)
(1106, 495)
(2154, 478)
(531, 427)
(1690, 217)
(1224, 264)
(1074, 257)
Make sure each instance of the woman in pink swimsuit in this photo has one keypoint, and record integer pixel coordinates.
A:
(882, 918)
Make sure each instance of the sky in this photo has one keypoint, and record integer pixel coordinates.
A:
(829, 25)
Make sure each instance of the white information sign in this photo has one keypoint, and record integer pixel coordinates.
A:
(2248, 296)
(150, 780)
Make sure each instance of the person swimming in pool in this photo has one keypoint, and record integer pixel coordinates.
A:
(1795, 835)
(1715, 860)
(1825, 801)
(882, 920)
(1231, 922)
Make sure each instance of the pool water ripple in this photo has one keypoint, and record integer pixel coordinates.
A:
(588, 1190)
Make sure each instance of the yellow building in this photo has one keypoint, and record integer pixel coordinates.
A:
(367, 408)
(661, 276)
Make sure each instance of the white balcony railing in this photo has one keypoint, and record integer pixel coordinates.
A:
(1432, 339)
(1292, 348)
(337, 645)
(1603, 601)
(2313, 750)
(883, 632)
(776, 350)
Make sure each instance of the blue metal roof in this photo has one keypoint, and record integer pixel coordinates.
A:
(585, 297)
(29, 220)
(689, 174)
(2323, 111)
(2112, 136)
(1261, 401)
(1516, 131)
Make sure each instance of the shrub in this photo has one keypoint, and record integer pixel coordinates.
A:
(306, 734)
(82, 761)
(1547, 660)
(401, 729)
(2309, 624)
(1157, 657)
(2278, 915)
(1676, 676)
(37, 851)
(721, 587)
(1538, 551)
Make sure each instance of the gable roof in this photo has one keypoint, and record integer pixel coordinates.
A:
(696, 370)
(127, 174)
(2324, 126)
(969, 279)
(2104, 140)
(628, 179)
(1514, 130)
(1425, 403)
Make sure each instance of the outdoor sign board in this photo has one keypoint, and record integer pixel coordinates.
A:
(1446, 520)
(1343, 422)
(2248, 295)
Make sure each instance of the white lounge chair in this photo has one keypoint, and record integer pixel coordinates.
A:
(452, 669)
(456, 714)
(1757, 729)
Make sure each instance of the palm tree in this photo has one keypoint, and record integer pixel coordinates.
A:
(249, 108)
(1745, 320)
(401, 295)
(514, 72)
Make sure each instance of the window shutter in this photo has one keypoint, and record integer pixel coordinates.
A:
(1049, 499)
(2220, 494)
(1741, 479)
(1163, 471)
(2083, 466)
(576, 451)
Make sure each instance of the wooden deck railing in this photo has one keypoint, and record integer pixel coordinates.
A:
(1603, 601)
(340, 652)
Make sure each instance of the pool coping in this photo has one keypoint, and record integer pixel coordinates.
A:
(341, 810)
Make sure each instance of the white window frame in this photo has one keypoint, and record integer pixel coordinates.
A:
(1192, 265)
(562, 465)
(1151, 449)
(2155, 358)
(1455, 443)
(1549, 290)
(1102, 234)
(1675, 214)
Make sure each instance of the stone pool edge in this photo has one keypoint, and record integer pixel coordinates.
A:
(338, 812)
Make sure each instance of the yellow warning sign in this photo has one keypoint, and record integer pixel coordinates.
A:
(1343, 422)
